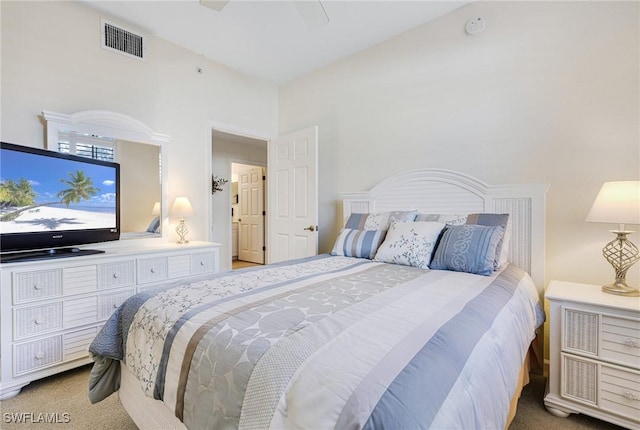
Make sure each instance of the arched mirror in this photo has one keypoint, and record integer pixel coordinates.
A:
(139, 151)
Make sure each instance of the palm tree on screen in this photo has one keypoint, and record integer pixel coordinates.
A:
(19, 196)
(80, 188)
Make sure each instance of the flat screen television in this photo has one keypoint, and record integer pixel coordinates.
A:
(52, 202)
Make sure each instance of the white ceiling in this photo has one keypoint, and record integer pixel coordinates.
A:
(270, 39)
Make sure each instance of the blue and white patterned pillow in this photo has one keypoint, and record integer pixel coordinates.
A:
(468, 248)
(358, 243)
(410, 243)
(448, 219)
(378, 220)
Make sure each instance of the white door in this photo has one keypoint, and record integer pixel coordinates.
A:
(251, 216)
(293, 195)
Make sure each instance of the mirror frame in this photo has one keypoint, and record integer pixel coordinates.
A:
(115, 125)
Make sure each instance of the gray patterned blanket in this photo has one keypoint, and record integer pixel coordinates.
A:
(327, 342)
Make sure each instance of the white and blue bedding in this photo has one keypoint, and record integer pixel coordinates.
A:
(327, 342)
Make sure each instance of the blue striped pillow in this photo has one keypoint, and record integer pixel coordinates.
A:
(468, 248)
(358, 243)
(493, 219)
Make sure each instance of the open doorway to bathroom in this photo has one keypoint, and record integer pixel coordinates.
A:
(247, 215)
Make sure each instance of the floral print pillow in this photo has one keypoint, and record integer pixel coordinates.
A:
(410, 243)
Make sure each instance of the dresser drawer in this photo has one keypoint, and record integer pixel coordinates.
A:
(31, 356)
(108, 303)
(620, 391)
(620, 341)
(202, 262)
(152, 269)
(37, 319)
(118, 274)
(28, 286)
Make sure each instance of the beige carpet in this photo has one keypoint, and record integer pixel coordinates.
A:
(64, 397)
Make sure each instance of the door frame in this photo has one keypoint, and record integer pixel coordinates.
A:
(213, 126)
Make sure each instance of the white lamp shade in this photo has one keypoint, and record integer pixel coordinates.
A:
(156, 209)
(181, 208)
(617, 203)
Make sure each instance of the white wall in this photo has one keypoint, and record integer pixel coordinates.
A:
(548, 93)
(139, 166)
(52, 60)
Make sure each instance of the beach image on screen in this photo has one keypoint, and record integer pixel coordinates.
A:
(41, 194)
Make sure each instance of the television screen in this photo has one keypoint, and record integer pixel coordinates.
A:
(49, 199)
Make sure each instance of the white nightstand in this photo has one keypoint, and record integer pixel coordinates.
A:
(594, 358)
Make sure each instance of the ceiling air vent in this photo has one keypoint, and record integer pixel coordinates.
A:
(121, 40)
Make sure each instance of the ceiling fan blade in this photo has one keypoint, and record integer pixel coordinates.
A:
(214, 4)
(312, 12)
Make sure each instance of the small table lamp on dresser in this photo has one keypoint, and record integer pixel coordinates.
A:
(619, 203)
(182, 209)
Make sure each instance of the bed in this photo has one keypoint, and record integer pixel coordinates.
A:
(365, 337)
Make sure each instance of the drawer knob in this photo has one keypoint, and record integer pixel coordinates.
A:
(152, 270)
(632, 343)
(115, 276)
(202, 263)
(39, 356)
(37, 287)
(629, 395)
(38, 321)
(115, 306)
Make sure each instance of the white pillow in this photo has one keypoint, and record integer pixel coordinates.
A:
(410, 243)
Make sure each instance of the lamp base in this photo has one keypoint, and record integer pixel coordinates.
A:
(621, 253)
(182, 231)
(621, 289)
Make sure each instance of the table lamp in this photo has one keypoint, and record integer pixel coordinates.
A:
(618, 203)
(181, 208)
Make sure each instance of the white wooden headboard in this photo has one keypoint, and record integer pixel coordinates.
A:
(447, 192)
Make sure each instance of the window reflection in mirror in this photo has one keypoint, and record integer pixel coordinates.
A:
(140, 165)
(113, 136)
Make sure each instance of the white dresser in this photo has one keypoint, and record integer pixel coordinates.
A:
(52, 309)
(594, 354)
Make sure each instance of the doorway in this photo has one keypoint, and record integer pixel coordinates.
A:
(290, 164)
(228, 148)
(248, 214)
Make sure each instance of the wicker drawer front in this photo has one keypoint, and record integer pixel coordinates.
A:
(620, 392)
(36, 285)
(37, 319)
(621, 341)
(108, 303)
(579, 379)
(202, 262)
(580, 332)
(152, 269)
(31, 356)
(114, 275)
